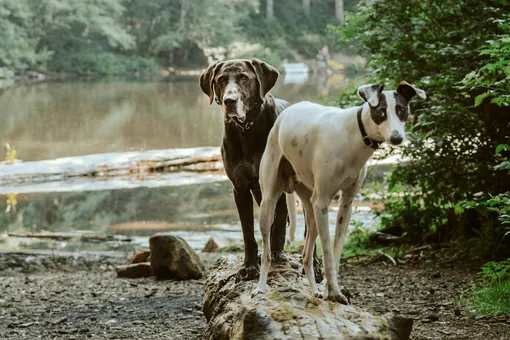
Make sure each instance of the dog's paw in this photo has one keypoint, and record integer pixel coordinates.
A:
(247, 273)
(279, 257)
(318, 294)
(258, 291)
(336, 297)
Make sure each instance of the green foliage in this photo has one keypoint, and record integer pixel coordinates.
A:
(457, 51)
(43, 33)
(491, 294)
(103, 63)
(496, 272)
(19, 47)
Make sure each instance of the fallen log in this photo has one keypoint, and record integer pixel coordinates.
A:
(287, 311)
(113, 164)
(133, 163)
(85, 238)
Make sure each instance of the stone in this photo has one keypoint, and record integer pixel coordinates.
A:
(286, 311)
(433, 317)
(134, 271)
(215, 243)
(141, 255)
(173, 258)
(222, 244)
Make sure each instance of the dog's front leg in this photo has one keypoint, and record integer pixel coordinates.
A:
(244, 203)
(320, 210)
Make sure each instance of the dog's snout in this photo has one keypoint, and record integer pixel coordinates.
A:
(396, 138)
(229, 101)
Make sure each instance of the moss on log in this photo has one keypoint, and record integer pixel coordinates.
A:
(287, 311)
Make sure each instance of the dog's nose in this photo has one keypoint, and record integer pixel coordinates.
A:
(229, 101)
(396, 138)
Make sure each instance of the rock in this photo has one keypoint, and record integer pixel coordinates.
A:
(433, 317)
(173, 258)
(134, 271)
(436, 275)
(286, 311)
(219, 243)
(141, 255)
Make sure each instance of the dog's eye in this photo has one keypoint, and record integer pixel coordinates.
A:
(402, 109)
(243, 77)
(382, 113)
(222, 79)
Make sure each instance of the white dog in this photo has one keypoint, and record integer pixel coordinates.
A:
(318, 151)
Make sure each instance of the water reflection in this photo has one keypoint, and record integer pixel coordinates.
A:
(46, 121)
(194, 212)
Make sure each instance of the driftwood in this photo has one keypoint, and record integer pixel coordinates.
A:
(135, 163)
(86, 238)
(287, 311)
(113, 164)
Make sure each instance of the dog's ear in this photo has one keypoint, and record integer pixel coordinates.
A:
(408, 91)
(207, 80)
(370, 93)
(266, 76)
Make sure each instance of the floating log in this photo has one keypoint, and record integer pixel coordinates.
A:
(287, 311)
(134, 164)
(113, 164)
(85, 238)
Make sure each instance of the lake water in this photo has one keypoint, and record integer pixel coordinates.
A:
(52, 120)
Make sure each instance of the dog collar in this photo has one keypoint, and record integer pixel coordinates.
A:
(367, 140)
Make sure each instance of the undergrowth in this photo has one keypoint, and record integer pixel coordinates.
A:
(490, 295)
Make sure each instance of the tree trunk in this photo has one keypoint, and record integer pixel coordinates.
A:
(184, 7)
(286, 311)
(269, 9)
(306, 7)
(339, 10)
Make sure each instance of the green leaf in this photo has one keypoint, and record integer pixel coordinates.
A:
(502, 147)
(479, 99)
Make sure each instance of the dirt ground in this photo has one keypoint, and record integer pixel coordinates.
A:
(80, 298)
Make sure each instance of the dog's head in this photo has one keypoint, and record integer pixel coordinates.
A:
(238, 86)
(389, 109)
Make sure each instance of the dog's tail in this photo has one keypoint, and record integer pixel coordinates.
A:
(291, 207)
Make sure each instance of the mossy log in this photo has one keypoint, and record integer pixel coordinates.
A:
(287, 311)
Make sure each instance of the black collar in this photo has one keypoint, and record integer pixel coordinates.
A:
(368, 141)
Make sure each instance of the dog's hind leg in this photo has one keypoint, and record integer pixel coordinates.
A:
(291, 208)
(311, 236)
(271, 185)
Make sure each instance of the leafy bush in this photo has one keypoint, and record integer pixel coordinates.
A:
(465, 118)
(103, 63)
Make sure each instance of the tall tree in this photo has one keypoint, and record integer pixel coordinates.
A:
(306, 7)
(339, 10)
(269, 9)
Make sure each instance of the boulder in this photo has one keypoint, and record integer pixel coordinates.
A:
(173, 258)
(134, 271)
(141, 255)
(219, 243)
(286, 311)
